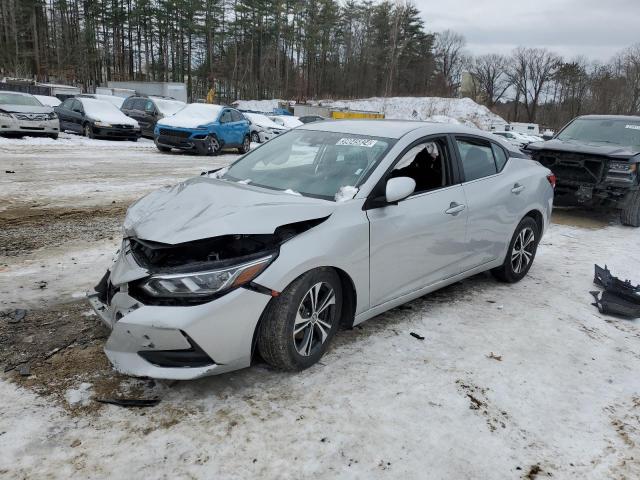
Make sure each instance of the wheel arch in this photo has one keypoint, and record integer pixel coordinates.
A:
(349, 303)
(538, 218)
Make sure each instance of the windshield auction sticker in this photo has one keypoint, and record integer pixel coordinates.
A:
(633, 127)
(357, 142)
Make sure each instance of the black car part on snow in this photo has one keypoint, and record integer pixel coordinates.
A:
(612, 304)
(611, 284)
(619, 298)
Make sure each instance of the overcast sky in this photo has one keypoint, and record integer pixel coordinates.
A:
(594, 28)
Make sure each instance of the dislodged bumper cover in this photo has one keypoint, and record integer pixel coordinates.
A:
(194, 210)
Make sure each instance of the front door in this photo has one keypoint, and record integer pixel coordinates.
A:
(421, 240)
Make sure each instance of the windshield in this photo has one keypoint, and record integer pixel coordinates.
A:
(625, 133)
(97, 108)
(169, 107)
(311, 163)
(15, 99)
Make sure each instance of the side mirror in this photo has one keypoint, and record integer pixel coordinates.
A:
(546, 137)
(399, 188)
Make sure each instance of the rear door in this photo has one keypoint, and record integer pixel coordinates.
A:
(147, 117)
(494, 198)
(421, 240)
(239, 126)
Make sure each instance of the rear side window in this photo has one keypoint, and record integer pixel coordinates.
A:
(225, 117)
(477, 158)
(500, 156)
(127, 103)
(236, 116)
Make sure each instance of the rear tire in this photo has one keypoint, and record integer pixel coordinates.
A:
(521, 253)
(54, 136)
(163, 149)
(630, 215)
(255, 138)
(246, 145)
(300, 323)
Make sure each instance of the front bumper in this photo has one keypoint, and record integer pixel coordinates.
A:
(188, 144)
(268, 135)
(115, 132)
(222, 328)
(174, 342)
(29, 127)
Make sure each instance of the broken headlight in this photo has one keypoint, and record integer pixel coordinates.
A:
(205, 283)
(622, 167)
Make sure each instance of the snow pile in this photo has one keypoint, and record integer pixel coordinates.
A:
(79, 396)
(262, 120)
(66, 140)
(105, 112)
(48, 101)
(266, 106)
(346, 193)
(192, 116)
(435, 109)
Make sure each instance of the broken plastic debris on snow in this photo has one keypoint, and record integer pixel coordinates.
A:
(346, 193)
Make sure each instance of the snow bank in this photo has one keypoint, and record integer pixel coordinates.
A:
(193, 116)
(463, 111)
(434, 109)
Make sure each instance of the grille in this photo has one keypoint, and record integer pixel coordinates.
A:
(174, 133)
(574, 167)
(126, 127)
(32, 117)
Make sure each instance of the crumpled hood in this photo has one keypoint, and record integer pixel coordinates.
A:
(606, 150)
(205, 207)
(25, 109)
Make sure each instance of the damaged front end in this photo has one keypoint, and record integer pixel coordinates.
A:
(591, 177)
(208, 285)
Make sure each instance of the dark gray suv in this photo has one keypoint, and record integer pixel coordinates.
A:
(148, 110)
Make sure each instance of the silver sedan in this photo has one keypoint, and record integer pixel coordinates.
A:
(329, 224)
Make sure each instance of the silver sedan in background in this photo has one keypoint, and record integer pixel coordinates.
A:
(329, 224)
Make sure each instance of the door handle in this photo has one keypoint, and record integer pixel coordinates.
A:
(455, 208)
(517, 188)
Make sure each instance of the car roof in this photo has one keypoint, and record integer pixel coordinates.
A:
(635, 118)
(24, 94)
(388, 128)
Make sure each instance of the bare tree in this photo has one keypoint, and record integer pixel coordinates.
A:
(490, 77)
(450, 56)
(532, 69)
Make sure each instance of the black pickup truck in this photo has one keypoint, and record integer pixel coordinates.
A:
(596, 161)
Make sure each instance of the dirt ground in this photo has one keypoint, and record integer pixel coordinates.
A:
(524, 381)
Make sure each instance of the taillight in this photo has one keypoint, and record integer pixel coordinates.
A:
(552, 179)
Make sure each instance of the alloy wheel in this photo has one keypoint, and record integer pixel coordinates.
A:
(255, 138)
(523, 249)
(314, 318)
(214, 146)
(246, 144)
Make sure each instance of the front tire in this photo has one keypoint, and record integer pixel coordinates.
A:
(630, 215)
(300, 323)
(53, 136)
(521, 253)
(88, 131)
(213, 145)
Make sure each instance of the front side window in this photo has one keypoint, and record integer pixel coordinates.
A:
(311, 163)
(477, 158)
(426, 163)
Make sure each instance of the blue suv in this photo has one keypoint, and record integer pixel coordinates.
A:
(203, 128)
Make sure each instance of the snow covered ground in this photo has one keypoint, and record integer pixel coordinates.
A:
(434, 109)
(511, 381)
